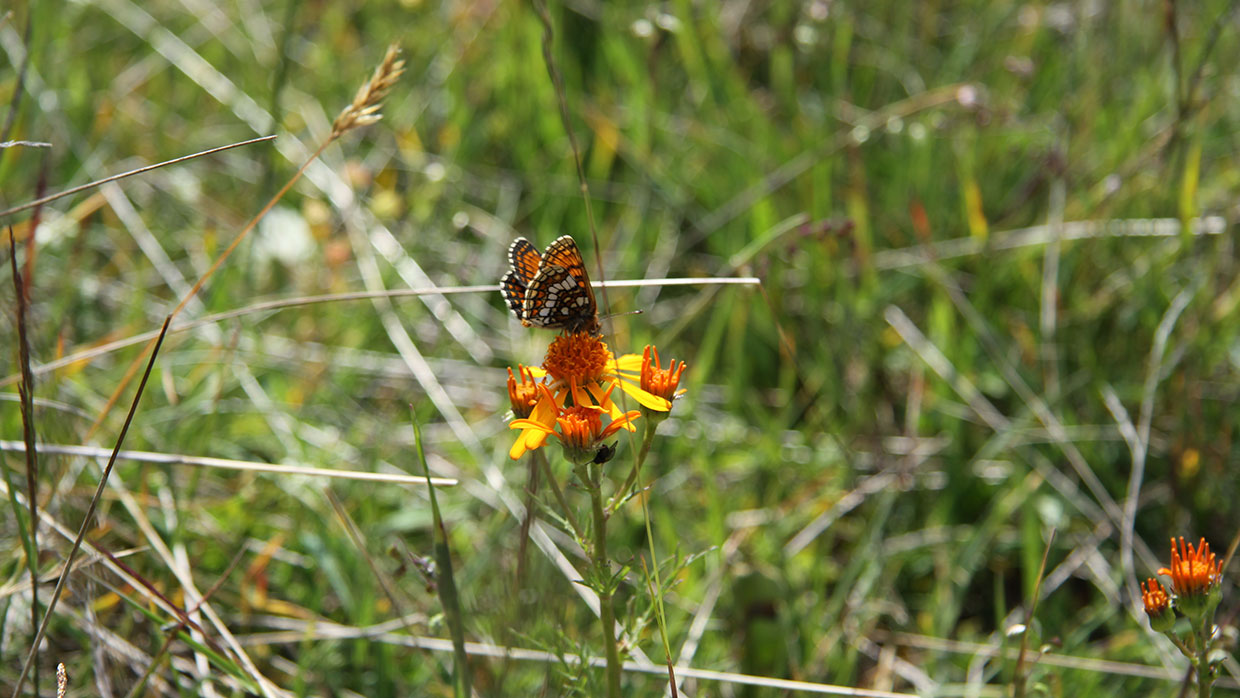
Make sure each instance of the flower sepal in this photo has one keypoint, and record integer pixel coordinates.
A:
(1199, 608)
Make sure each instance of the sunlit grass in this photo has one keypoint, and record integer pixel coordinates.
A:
(979, 320)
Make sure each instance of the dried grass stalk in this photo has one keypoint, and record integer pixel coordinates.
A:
(364, 110)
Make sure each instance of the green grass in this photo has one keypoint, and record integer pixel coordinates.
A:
(865, 518)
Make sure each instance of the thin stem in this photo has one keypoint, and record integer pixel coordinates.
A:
(90, 185)
(559, 496)
(1205, 678)
(1018, 678)
(621, 494)
(531, 492)
(602, 570)
(1184, 649)
(90, 513)
(652, 426)
(21, 289)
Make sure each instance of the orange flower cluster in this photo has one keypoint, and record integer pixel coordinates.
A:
(578, 376)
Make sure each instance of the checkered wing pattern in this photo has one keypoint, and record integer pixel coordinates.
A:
(556, 300)
(560, 295)
(564, 253)
(524, 260)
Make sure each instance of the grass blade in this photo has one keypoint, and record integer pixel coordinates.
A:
(444, 582)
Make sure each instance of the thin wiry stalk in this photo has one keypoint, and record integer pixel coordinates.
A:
(26, 394)
(1018, 680)
(232, 464)
(279, 80)
(557, 81)
(652, 426)
(130, 173)
(355, 535)
(90, 515)
(603, 578)
(19, 89)
(560, 499)
(1216, 30)
(1177, 60)
(621, 495)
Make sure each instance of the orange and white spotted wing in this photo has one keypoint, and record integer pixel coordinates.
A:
(559, 296)
(523, 260)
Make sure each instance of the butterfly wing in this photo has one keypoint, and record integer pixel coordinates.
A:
(524, 259)
(564, 253)
(555, 300)
(513, 289)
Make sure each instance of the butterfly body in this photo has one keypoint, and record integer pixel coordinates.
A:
(550, 290)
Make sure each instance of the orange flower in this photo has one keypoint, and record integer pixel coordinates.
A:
(582, 366)
(1193, 571)
(1155, 598)
(1157, 606)
(581, 429)
(661, 381)
(522, 394)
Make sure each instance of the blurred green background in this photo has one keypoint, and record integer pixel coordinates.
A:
(998, 298)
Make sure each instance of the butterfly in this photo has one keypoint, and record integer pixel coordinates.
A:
(550, 290)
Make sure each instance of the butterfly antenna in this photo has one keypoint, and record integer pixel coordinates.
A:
(608, 316)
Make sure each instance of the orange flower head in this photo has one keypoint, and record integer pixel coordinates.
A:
(577, 358)
(1194, 571)
(580, 428)
(1155, 597)
(523, 393)
(660, 381)
(1157, 606)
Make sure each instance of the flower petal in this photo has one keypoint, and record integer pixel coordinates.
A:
(645, 399)
(534, 439)
(628, 362)
(529, 424)
(625, 421)
(518, 448)
(602, 397)
(581, 397)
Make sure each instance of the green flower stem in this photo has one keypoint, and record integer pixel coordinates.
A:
(648, 438)
(1205, 678)
(1184, 649)
(559, 496)
(602, 569)
(1198, 652)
